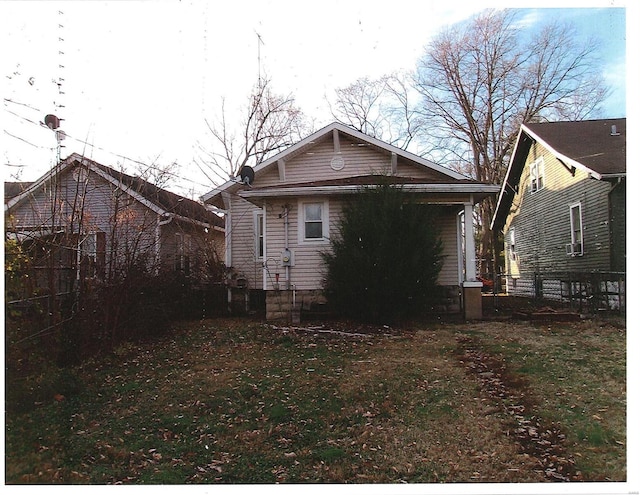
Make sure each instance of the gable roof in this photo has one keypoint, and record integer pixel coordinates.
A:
(161, 201)
(596, 146)
(441, 175)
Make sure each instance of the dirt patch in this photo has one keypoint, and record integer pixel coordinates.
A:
(544, 442)
(345, 328)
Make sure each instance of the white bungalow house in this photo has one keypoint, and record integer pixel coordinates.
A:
(281, 215)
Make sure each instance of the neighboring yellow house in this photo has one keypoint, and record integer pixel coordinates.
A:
(562, 209)
(282, 215)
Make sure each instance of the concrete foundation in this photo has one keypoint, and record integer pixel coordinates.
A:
(472, 300)
(288, 304)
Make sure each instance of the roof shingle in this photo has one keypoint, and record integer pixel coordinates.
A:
(599, 145)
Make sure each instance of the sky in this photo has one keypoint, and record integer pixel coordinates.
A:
(134, 81)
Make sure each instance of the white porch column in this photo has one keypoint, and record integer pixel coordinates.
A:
(469, 245)
(471, 287)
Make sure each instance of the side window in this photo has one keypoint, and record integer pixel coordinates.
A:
(537, 175)
(258, 227)
(512, 244)
(92, 254)
(314, 221)
(89, 247)
(576, 246)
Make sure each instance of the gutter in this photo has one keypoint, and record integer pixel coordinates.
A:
(352, 189)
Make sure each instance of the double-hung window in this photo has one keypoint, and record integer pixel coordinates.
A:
(314, 221)
(259, 234)
(576, 230)
(512, 244)
(537, 175)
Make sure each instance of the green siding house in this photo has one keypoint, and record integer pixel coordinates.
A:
(562, 211)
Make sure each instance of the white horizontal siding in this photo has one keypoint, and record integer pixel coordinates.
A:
(315, 164)
(448, 224)
(309, 270)
(243, 249)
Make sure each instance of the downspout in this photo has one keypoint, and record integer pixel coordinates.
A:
(459, 244)
(228, 228)
(226, 200)
(264, 246)
(286, 244)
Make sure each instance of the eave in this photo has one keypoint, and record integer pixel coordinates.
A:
(477, 191)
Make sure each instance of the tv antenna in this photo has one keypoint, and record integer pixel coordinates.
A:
(260, 42)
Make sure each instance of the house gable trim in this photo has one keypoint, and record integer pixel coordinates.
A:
(334, 130)
(569, 162)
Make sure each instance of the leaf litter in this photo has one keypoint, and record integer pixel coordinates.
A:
(545, 442)
(233, 401)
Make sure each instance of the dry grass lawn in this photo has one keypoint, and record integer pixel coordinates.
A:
(240, 401)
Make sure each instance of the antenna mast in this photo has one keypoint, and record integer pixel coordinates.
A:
(260, 42)
(58, 105)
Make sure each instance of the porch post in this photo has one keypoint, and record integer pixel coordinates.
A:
(469, 244)
(471, 287)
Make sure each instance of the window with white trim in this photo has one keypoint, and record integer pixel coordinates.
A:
(575, 213)
(537, 175)
(258, 229)
(89, 246)
(314, 221)
(92, 254)
(512, 244)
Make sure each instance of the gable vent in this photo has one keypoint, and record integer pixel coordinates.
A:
(614, 131)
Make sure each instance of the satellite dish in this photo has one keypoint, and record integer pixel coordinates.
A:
(52, 122)
(247, 174)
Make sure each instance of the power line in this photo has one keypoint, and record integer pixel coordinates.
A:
(150, 166)
(39, 124)
(28, 142)
(9, 100)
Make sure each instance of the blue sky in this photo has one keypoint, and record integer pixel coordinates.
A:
(140, 78)
(607, 26)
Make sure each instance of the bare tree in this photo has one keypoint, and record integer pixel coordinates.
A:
(481, 80)
(381, 108)
(272, 122)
